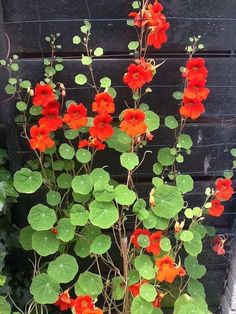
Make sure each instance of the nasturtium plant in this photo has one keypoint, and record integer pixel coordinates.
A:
(96, 231)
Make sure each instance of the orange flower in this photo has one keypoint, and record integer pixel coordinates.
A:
(43, 95)
(154, 14)
(40, 138)
(138, 75)
(224, 189)
(95, 311)
(216, 208)
(195, 69)
(102, 128)
(154, 246)
(135, 288)
(51, 120)
(136, 234)
(196, 90)
(191, 108)
(64, 302)
(76, 116)
(103, 103)
(82, 303)
(167, 271)
(93, 143)
(133, 122)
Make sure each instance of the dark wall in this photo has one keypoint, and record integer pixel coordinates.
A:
(28, 22)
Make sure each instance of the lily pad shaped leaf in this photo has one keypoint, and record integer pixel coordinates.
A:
(123, 195)
(63, 269)
(103, 214)
(27, 181)
(41, 217)
(90, 283)
(140, 306)
(169, 201)
(82, 184)
(44, 243)
(66, 230)
(44, 289)
(101, 244)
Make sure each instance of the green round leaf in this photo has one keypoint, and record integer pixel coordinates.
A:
(35, 110)
(165, 157)
(196, 288)
(99, 174)
(63, 269)
(66, 151)
(148, 292)
(103, 192)
(82, 184)
(143, 240)
(86, 60)
(21, 105)
(83, 155)
(124, 196)
(184, 183)
(152, 120)
(25, 238)
(44, 289)
(178, 95)
(10, 89)
(59, 67)
(90, 283)
(133, 45)
(71, 134)
(27, 181)
(143, 260)
(157, 168)
(194, 247)
(193, 268)
(129, 160)
(66, 230)
(80, 79)
(44, 243)
(102, 214)
(5, 307)
(78, 215)
(53, 198)
(98, 52)
(64, 181)
(165, 244)
(41, 217)
(90, 232)
(82, 248)
(140, 306)
(185, 141)
(150, 222)
(169, 201)
(105, 82)
(101, 244)
(171, 122)
(76, 40)
(186, 236)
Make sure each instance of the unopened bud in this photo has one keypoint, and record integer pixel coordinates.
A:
(31, 92)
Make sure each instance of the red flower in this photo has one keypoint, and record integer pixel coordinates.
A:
(157, 37)
(154, 246)
(140, 19)
(43, 95)
(154, 14)
(54, 231)
(167, 271)
(224, 189)
(64, 302)
(135, 288)
(95, 311)
(196, 90)
(103, 103)
(136, 234)
(216, 209)
(191, 108)
(102, 128)
(138, 75)
(76, 116)
(218, 245)
(51, 119)
(157, 301)
(40, 138)
(133, 122)
(195, 69)
(83, 302)
(93, 143)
